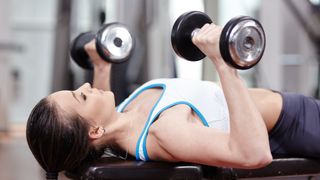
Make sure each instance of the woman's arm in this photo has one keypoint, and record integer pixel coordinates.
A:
(101, 68)
(248, 139)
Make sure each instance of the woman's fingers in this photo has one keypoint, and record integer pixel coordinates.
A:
(207, 39)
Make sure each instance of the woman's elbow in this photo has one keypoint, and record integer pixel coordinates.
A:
(258, 160)
(264, 160)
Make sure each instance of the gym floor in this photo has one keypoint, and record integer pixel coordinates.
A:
(16, 160)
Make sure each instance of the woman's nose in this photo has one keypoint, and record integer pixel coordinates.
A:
(85, 87)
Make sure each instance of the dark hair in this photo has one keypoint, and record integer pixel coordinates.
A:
(59, 141)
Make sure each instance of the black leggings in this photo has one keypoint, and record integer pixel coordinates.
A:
(297, 132)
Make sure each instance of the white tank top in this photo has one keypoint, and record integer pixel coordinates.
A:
(205, 98)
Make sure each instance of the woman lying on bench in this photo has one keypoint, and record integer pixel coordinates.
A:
(174, 120)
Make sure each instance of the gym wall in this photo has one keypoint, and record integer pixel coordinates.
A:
(30, 24)
(30, 27)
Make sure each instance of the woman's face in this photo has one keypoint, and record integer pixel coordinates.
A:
(92, 104)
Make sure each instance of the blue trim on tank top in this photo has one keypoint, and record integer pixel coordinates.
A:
(146, 127)
(163, 86)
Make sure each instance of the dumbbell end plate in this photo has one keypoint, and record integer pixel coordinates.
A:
(242, 42)
(77, 51)
(114, 43)
(181, 34)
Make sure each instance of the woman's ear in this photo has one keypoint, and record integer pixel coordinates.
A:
(96, 132)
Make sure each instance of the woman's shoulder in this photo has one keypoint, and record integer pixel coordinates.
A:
(173, 119)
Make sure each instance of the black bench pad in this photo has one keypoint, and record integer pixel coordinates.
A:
(111, 168)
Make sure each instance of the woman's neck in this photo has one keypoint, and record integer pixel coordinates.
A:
(117, 131)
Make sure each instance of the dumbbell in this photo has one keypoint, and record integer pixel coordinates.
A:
(114, 44)
(242, 40)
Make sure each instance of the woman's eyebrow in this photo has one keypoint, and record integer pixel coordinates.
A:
(74, 95)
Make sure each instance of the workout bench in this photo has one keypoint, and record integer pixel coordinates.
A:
(112, 168)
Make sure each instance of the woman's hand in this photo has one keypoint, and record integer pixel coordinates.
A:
(97, 61)
(102, 68)
(207, 40)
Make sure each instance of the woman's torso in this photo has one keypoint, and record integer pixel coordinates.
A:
(182, 114)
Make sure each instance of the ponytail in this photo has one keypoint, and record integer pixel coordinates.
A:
(52, 175)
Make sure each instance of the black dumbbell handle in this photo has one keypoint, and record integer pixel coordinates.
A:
(78, 52)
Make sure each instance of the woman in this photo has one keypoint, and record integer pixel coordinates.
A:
(169, 120)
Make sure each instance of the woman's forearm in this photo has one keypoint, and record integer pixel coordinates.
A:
(101, 68)
(101, 77)
(248, 132)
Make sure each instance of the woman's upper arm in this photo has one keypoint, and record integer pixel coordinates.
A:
(204, 145)
(199, 144)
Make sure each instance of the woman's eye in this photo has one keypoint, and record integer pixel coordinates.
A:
(84, 97)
